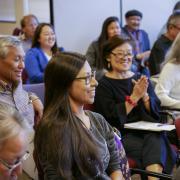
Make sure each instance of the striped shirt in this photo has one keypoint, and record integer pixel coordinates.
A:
(18, 98)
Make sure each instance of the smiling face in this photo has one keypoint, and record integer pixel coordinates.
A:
(121, 58)
(11, 152)
(12, 65)
(113, 29)
(47, 37)
(82, 90)
(133, 22)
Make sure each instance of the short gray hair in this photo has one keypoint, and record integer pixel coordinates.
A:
(11, 123)
(6, 42)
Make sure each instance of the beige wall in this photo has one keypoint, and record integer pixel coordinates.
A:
(38, 7)
(7, 27)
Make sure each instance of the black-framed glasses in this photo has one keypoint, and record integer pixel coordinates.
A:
(122, 55)
(88, 78)
(10, 167)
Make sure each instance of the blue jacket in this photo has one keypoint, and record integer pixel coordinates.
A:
(35, 64)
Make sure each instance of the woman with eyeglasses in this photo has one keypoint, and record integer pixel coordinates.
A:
(124, 97)
(13, 143)
(71, 143)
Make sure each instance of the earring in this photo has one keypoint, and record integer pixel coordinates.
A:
(109, 65)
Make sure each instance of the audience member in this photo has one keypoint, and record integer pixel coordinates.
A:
(43, 47)
(168, 85)
(110, 28)
(162, 45)
(82, 142)
(13, 143)
(11, 91)
(139, 40)
(124, 97)
(164, 28)
(28, 26)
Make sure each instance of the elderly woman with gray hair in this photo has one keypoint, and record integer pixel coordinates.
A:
(13, 142)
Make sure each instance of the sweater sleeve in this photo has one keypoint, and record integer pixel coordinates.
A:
(167, 81)
(105, 103)
(32, 67)
(108, 133)
(91, 54)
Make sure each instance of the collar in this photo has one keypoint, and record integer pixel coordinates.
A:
(131, 30)
(4, 86)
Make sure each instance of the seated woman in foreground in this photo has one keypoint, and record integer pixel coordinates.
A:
(123, 97)
(72, 143)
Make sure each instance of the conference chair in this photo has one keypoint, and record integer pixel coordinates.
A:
(38, 89)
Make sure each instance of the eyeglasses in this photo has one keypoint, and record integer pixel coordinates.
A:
(10, 167)
(122, 55)
(88, 78)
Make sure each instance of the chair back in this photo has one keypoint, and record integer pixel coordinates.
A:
(38, 89)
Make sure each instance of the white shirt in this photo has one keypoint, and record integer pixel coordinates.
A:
(168, 86)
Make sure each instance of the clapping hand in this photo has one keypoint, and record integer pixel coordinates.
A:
(140, 88)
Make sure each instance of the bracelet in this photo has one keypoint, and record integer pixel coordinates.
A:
(130, 101)
(32, 99)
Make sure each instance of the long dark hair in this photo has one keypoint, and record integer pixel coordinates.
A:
(103, 37)
(35, 41)
(61, 137)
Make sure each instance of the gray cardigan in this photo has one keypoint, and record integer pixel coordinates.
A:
(104, 137)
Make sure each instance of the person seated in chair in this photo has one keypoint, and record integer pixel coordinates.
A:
(43, 48)
(168, 85)
(123, 97)
(11, 90)
(82, 142)
(139, 41)
(13, 142)
(110, 28)
(29, 24)
(163, 44)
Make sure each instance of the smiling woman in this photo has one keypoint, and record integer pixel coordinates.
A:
(123, 97)
(82, 142)
(43, 47)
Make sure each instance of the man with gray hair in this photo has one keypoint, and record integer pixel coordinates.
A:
(11, 90)
(163, 43)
